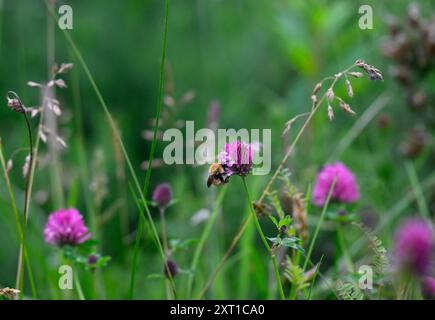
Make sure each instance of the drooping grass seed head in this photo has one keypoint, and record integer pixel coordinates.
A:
(330, 95)
(317, 88)
(330, 112)
(372, 72)
(349, 88)
(9, 293)
(346, 108)
(356, 74)
(14, 102)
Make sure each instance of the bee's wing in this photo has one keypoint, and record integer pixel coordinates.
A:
(210, 181)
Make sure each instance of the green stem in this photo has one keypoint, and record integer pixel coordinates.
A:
(17, 222)
(139, 232)
(293, 289)
(78, 287)
(343, 248)
(159, 101)
(156, 125)
(319, 224)
(416, 188)
(165, 247)
(315, 277)
(204, 236)
(164, 232)
(263, 238)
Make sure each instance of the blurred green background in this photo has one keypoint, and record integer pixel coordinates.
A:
(260, 60)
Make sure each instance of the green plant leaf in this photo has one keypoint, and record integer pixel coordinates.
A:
(275, 222)
(285, 222)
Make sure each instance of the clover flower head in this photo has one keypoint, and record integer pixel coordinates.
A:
(66, 227)
(237, 158)
(414, 246)
(428, 287)
(162, 195)
(170, 269)
(346, 187)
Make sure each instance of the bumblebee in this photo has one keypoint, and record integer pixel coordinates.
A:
(217, 175)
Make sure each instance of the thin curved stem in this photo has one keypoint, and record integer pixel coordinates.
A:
(263, 238)
(298, 136)
(20, 269)
(165, 247)
(159, 101)
(164, 232)
(27, 191)
(78, 287)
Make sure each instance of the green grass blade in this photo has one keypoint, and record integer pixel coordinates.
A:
(203, 239)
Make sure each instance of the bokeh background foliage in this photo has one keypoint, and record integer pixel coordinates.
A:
(260, 60)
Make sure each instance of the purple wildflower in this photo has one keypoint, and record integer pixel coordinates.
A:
(237, 158)
(414, 246)
(170, 268)
(66, 227)
(428, 287)
(92, 259)
(346, 187)
(162, 195)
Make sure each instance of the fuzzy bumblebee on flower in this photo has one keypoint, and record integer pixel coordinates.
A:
(235, 159)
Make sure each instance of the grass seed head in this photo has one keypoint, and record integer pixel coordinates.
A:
(330, 94)
(345, 107)
(330, 113)
(372, 72)
(14, 102)
(317, 88)
(349, 88)
(9, 293)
